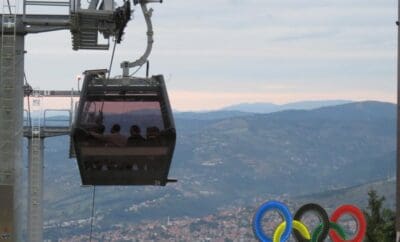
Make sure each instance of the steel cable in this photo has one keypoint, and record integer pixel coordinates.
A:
(92, 217)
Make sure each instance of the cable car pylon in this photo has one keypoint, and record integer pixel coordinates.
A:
(10, 124)
(36, 130)
(101, 17)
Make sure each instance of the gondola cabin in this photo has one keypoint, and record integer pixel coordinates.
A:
(124, 132)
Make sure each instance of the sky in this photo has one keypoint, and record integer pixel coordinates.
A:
(222, 52)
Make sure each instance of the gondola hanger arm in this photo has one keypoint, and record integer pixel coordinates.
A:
(147, 13)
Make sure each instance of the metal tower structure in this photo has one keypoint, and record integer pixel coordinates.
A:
(101, 17)
(12, 46)
(36, 131)
(35, 173)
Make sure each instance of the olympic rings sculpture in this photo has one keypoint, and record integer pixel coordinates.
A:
(293, 224)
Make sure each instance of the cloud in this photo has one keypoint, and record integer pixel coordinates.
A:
(243, 49)
(184, 100)
(189, 100)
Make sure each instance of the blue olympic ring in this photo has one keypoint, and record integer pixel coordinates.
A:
(268, 206)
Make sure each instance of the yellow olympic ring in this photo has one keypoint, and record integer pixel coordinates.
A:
(297, 225)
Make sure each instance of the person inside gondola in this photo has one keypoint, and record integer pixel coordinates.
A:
(100, 130)
(153, 136)
(136, 138)
(115, 138)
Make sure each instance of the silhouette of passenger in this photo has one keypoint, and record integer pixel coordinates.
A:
(153, 136)
(116, 138)
(136, 138)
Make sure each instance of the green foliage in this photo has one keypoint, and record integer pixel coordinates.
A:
(380, 221)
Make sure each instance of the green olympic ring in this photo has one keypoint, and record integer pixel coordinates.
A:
(336, 227)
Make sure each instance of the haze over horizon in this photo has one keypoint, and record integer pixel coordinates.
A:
(218, 53)
(64, 103)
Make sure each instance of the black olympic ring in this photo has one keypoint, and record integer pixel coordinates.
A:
(322, 215)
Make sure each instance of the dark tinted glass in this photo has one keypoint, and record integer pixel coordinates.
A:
(144, 114)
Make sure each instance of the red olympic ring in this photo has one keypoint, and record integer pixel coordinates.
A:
(357, 214)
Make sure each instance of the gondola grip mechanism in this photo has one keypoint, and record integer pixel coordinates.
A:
(147, 13)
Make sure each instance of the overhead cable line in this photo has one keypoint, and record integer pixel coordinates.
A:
(112, 59)
(92, 216)
(138, 69)
(109, 68)
(9, 6)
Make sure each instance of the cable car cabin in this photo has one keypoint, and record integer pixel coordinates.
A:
(124, 132)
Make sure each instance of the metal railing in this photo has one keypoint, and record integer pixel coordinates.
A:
(57, 120)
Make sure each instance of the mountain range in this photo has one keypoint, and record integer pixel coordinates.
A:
(245, 109)
(271, 107)
(238, 160)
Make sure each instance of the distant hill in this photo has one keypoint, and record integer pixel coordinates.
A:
(354, 195)
(270, 107)
(211, 115)
(234, 160)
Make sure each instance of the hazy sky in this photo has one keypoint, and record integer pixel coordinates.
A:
(216, 53)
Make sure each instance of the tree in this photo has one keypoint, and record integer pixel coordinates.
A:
(380, 221)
